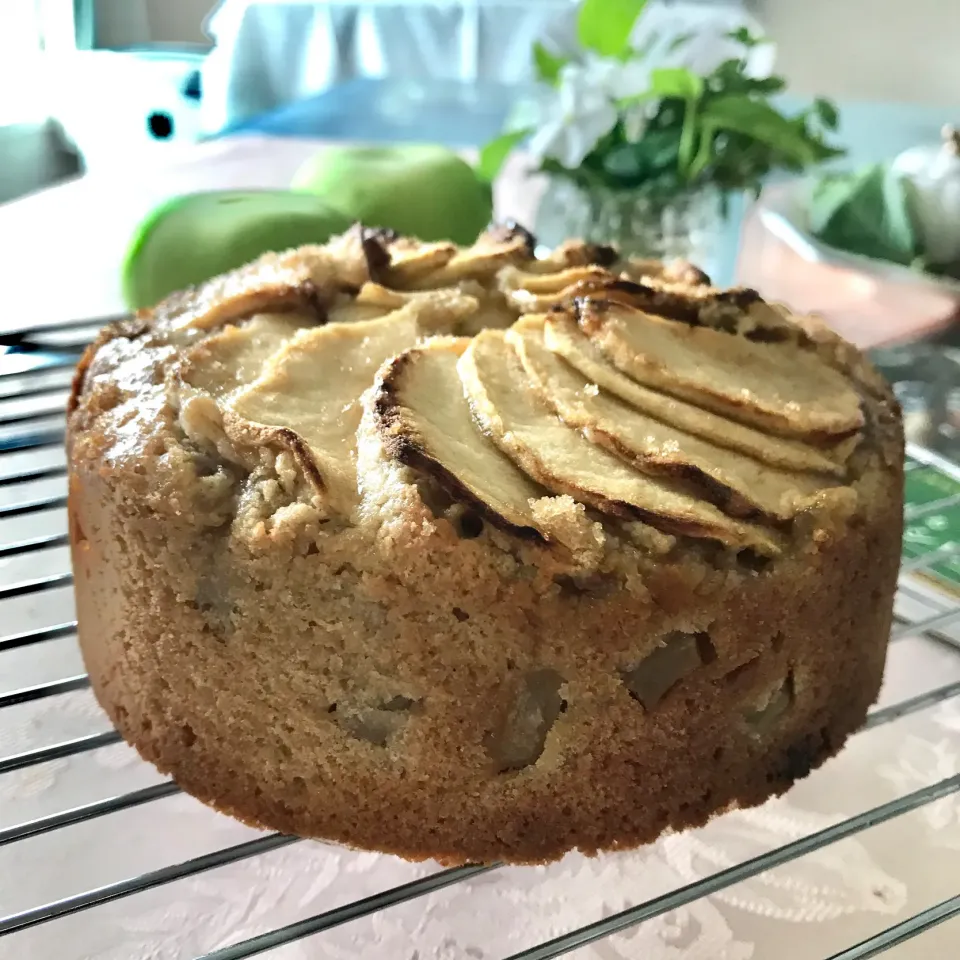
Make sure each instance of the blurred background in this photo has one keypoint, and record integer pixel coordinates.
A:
(873, 50)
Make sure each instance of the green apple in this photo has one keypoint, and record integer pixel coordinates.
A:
(416, 189)
(191, 238)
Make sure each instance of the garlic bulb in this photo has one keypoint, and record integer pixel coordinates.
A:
(934, 173)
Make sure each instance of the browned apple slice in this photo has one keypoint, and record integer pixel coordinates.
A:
(508, 408)
(563, 336)
(676, 271)
(777, 386)
(374, 300)
(670, 294)
(535, 283)
(574, 253)
(235, 355)
(424, 421)
(312, 385)
(298, 281)
(412, 262)
(492, 252)
(538, 292)
(739, 484)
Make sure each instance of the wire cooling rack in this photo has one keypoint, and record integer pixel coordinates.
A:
(35, 372)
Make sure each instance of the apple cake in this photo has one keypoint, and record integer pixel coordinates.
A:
(466, 554)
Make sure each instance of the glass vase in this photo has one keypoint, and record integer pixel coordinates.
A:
(690, 226)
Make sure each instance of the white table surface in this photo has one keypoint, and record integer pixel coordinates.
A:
(60, 250)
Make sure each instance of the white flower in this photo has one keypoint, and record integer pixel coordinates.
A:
(627, 79)
(582, 111)
(570, 119)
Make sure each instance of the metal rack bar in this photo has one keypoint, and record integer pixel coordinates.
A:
(89, 811)
(61, 361)
(58, 751)
(146, 881)
(935, 506)
(895, 711)
(29, 637)
(65, 326)
(43, 473)
(930, 458)
(27, 587)
(32, 546)
(31, 417)
(742, 871)
(43, 690)
(33, 506)
(352, 911)
(936, 622)
(902, 932)
(908, 587)
(32, 441)
(940, 555)
(42, 391)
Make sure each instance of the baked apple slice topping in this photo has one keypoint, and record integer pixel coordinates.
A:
(312, 385)
(235, 355)
(424, 421)
(563, 336)
(510, 410)
(289, 282)
(740, 485)
(775, 386)
(414, 265)
(699, 413)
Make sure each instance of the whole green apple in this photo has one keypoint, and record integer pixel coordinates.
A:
(421, 190)
(189, 239)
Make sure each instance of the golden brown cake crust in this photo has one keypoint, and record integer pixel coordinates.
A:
(411, 679)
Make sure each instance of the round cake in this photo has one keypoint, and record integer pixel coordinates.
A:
(466, 554)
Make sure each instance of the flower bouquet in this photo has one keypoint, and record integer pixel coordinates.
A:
(645, 151)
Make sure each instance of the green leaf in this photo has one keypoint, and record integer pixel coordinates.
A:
(744, 36)
(676, 82)
(548, 66)
(659, 149)
(633, 164)
(624, 163)
(704, 153)
(493, 155)
(827, 113)
(731, 76)
(766, 85)
(865, 212)
(604, 26)
(759, 120)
